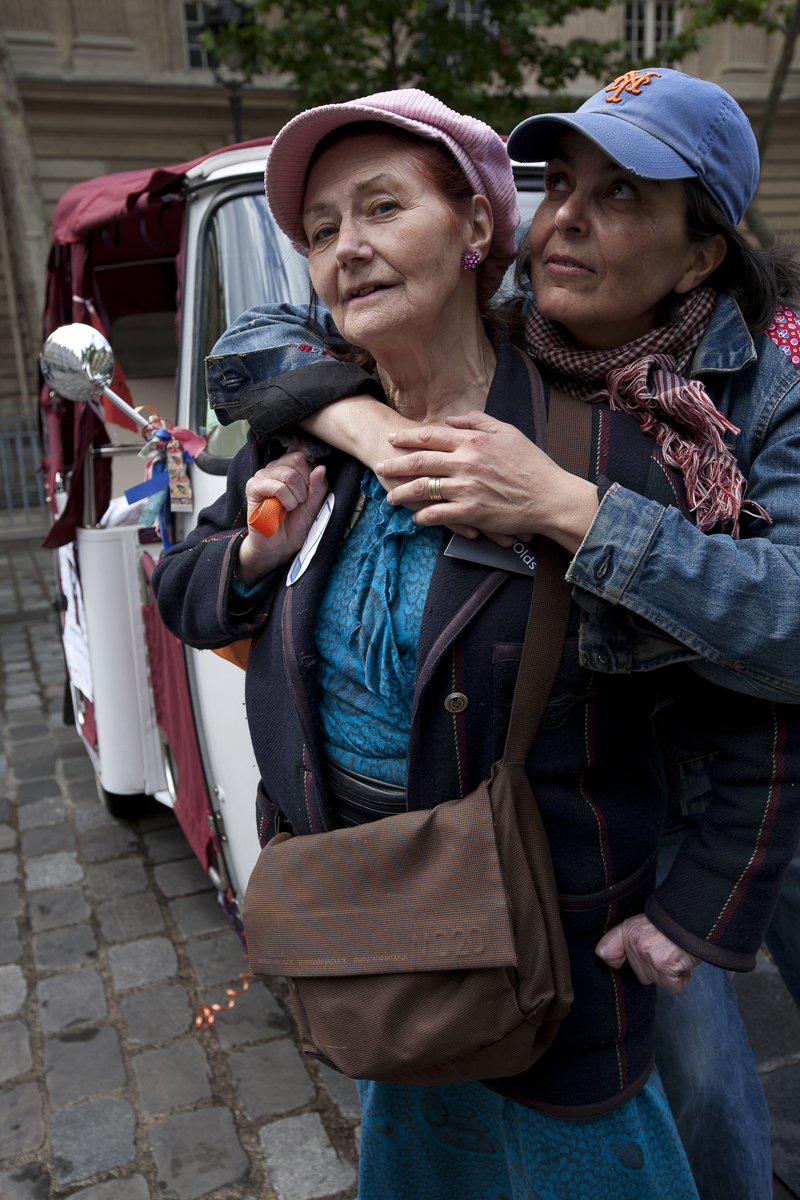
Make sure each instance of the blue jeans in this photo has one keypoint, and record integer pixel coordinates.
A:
(709, 1072)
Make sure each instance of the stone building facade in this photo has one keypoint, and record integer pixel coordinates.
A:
(111, 85)
(105, 85)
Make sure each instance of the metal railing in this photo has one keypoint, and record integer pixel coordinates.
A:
(20, 455)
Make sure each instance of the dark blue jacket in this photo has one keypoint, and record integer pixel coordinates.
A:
(595, 765)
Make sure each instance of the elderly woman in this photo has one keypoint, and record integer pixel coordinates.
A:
(354, 717)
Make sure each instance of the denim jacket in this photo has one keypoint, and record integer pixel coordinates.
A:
(656, 590)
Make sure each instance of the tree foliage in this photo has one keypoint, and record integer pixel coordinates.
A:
(476, 57)
(483, 57)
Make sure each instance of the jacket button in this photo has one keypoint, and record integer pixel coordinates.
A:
(603, 659)
(602, 570)
(456, 702)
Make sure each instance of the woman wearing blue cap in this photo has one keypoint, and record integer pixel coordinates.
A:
(646, 301)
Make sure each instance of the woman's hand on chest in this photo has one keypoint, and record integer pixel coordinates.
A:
(492, 478)
(301, 488)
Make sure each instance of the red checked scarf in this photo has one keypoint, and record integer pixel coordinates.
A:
(646, 379)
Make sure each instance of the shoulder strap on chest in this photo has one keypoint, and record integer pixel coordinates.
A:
(569, 436)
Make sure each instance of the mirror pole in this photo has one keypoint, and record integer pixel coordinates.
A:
(89, 504)
(123, 406)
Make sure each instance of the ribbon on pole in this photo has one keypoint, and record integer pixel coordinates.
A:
(167, 450)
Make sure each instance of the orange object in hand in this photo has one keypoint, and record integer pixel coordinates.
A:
(267, 516)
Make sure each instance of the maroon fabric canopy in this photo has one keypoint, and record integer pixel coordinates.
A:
(121, 218)
(97, 202)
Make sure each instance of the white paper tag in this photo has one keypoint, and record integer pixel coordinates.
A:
(518, 558)
(309, 546)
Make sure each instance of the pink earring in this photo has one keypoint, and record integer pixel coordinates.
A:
(470, 260)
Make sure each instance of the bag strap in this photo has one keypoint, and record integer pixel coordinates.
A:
(569, 440)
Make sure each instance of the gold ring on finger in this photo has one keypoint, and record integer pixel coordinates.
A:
(434, 488)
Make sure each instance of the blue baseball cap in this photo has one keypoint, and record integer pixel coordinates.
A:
(659, 125)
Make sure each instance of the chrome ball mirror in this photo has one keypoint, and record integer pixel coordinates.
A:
(77, 362)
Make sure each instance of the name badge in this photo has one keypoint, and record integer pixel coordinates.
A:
(518, 558)
(309, 546)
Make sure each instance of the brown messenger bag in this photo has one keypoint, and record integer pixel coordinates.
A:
(426, 947)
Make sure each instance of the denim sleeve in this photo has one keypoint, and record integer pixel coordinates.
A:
(280, 329)
(736, 603)
(273, 341)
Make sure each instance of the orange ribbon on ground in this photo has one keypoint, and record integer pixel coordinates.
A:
(206, 1016)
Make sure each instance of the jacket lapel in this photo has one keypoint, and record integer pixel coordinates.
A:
(459, 590)
(299, 611)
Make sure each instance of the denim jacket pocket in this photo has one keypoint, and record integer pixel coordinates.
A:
(610, 647)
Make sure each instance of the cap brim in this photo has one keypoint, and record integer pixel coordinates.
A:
(536, 138)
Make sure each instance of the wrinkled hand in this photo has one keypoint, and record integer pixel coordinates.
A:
(301, 490)
(493, 479)
(652, 956)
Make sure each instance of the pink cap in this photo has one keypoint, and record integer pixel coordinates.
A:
(476, 147)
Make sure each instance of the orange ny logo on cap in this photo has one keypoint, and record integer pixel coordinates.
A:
(631, 82)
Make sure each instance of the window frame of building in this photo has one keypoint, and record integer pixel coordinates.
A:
(194, 15)
(471, 12)
(648, 25)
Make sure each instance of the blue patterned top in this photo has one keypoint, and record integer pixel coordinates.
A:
(366, 637)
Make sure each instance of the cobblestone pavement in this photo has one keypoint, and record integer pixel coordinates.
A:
(773, 1024)
(111, 940)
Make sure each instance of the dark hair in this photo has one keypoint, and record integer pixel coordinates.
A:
(435, 164)
(757, 277)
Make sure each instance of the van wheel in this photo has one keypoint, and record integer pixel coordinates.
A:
(123, 807)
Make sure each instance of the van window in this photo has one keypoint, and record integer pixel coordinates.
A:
(144, 344)
(247, 261)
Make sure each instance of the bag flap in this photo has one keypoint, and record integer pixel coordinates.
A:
(420, 891)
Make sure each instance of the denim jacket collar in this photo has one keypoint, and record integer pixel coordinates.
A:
(727, 345)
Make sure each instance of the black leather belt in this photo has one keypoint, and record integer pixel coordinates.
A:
(356, 799)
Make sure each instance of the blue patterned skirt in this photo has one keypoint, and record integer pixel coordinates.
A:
(463, 1142)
